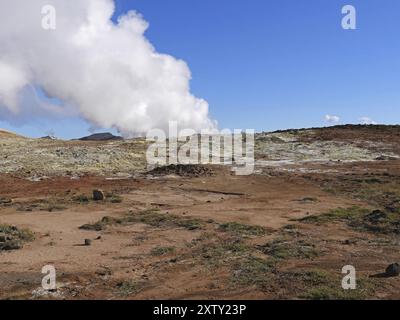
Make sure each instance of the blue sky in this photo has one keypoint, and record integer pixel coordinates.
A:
(274, 64)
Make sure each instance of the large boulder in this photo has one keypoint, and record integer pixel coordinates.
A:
(98, 195)
(376, 216)
(393, 270)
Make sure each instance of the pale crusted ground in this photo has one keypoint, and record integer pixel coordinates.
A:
(40, 157)
(35, 158)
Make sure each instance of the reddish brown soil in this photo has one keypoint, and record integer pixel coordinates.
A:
(123, 254)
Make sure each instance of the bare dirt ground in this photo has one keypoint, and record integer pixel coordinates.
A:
(317, 202)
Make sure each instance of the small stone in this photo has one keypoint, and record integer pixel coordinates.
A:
(88, 242)
(393, 270)
(98, 195)
(392, 209)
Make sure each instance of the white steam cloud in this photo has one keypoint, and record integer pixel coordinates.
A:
(108, 73)
(367, 121)
(332, 119)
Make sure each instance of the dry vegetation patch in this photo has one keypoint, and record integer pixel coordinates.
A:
(152, 218)
(12, 238)
(360, 219)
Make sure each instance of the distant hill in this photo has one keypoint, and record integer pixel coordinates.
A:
(101, 137)
(49, 138)
(8, 134)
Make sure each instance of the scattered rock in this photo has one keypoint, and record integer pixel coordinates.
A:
(88, 242)
(41, 293)
(393, 270)
(391, 209)
(98, 195)
(349, 242)
(393, 206)
(105, 271)
(376, 216)
(308, 200)
(5, 201)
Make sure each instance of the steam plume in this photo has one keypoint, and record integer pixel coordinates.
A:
(108, 73)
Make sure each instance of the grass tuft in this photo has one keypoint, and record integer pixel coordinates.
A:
(242, 229)
(150, 217)
(339, 214)
(282, 249)
(360, 219)
(128, 288)
(162, 251)
(252, 271)
(12, 238)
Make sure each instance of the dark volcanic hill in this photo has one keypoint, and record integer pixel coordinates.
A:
(101, 137)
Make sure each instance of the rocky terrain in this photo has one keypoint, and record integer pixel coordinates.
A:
(38, 158)
(319, 199)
